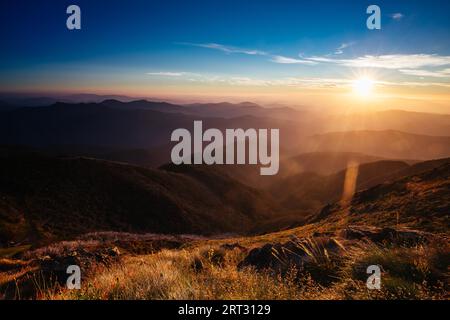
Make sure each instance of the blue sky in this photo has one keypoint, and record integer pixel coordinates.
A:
(144, 47)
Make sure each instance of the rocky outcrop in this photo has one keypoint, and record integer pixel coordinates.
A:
(385, 235)
(320, 254)
(51, 269)
(313, 255)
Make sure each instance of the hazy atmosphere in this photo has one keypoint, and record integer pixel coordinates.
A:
(224, 150)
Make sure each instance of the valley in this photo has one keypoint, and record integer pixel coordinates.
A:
(93, 185)
(324, 258)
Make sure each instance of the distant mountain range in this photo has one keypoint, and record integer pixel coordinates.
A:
(220, 110)
(412, 122)
(33, 100)
(116, 126)
(387, 143)
(112, 128)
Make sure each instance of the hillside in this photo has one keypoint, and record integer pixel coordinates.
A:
(309, 191)
(232, 110)
(413, 122)
(324, 163)
(420, 201)
(43, 198)
(389, 144)
(321, 163)
(4, 106)
(401, 226)
(411, 170)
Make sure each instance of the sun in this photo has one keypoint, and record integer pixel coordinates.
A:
(363, 87)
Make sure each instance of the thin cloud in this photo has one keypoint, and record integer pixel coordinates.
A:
(397, 16)
(395, 61)
(166, 74)
(287, 60)
(421, 65)
(246, 81)
(226, 49)
(298, 82)
(314, 82)
(342, 47)
(231, 50)
(345, 83)
(171, 74)
(427, 73)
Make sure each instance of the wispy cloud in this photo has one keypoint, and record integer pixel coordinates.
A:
(226, 49)
(231, 49)
(168, 74)
(247, 81)
(296, 82)
(395, 61)
(427, 73)
(342, 47)
(344, 83)
(287, 60)
(397, 16)
(419, 65)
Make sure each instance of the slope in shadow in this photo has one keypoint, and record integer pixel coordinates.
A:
(44, 198)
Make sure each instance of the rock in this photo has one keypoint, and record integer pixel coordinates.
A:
(55, 267)
(114, 252)
(197, 264)
(313, 255)
(50, 267)
(262, 258)
(356, 233)
(385, 235)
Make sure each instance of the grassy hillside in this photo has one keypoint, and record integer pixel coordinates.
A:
(45, 198)
(321, 163)
(401, 226)
(309, 191)
(420, 201)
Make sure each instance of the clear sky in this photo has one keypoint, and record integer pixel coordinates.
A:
(298, 52)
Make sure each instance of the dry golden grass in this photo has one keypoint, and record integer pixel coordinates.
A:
(210, 272)
(202, 269)
(183, 274)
